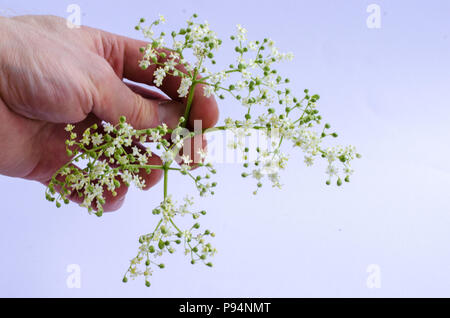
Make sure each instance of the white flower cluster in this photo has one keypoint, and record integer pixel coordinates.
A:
(114, 147)
(166, 236)
(116, 153)
(203, 183)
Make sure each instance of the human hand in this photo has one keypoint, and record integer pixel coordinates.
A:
(51, 75)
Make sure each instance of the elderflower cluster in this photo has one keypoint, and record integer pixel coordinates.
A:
(256, 84)
(112, 157)
(167, 237)
(116, 154)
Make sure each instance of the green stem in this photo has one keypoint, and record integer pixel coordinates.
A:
(189, 102)
(149, 166)
(166, 170)
(166, 173)
(174, 225)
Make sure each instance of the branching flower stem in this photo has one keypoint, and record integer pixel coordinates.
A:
(269, 107)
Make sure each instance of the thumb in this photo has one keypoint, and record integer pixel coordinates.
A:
(115, 99)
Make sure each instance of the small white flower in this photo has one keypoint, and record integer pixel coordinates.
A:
(135, 151)
(252, 46)
(240, 85)
(186, 159)
(97, 139)
(241, 33)
(257, 174)
(332, 170)
(202, 153)
(208, 90)
(108, 127)
(155, 135)
(159, 75)
(167, 156)
(309, 160)
(127, 177)
(169, 65)
(148, 32)
(183, 90)
(348, 171)
(86, 140)
(144, 64)
(289, 56)
(110, 151)
(142, 159)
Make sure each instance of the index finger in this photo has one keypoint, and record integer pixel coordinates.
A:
(203, 108)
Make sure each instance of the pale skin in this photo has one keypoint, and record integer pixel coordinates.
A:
(51, 75)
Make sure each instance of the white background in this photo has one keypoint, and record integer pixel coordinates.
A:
(384, 90)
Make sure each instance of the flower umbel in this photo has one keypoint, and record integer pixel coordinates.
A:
(113, 159)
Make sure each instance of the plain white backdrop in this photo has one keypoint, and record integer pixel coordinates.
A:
(384, 90)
